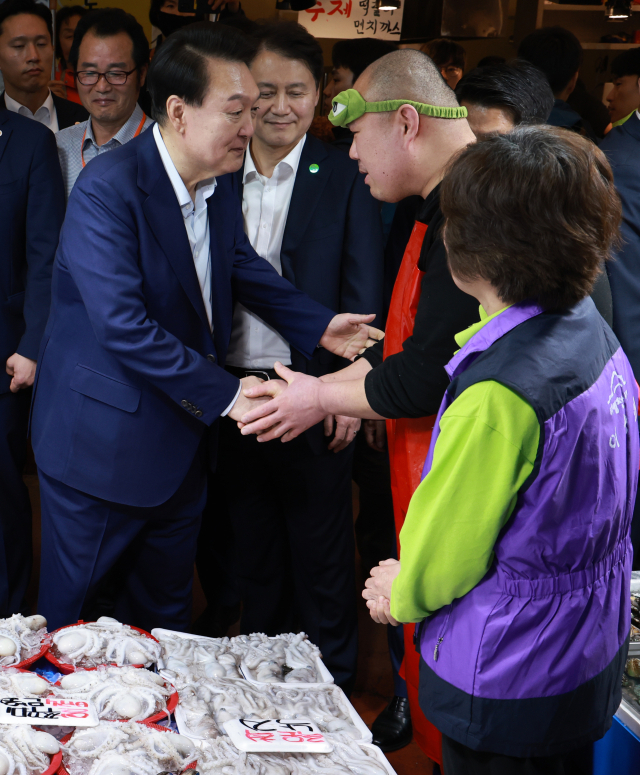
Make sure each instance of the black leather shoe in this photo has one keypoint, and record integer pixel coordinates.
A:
(392, 729)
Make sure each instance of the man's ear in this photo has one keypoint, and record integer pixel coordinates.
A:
(408, 117)
(175, 113)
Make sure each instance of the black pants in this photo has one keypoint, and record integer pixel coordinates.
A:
(15, 507)
(457, 759)
(291, 514)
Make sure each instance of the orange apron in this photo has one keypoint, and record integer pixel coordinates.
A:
(409, 441)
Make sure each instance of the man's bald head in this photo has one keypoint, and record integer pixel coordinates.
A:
(405, 75)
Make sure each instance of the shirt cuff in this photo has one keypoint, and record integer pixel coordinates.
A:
(232, 404)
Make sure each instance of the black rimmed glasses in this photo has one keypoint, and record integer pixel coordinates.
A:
(113, 77)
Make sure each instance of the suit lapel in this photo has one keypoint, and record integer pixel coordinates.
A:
(307, 191)
(6, 131)
(162, 211)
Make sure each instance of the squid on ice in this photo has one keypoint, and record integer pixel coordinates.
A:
(25, 751)
(126, 749)
(347, 758)
(20, 638)
(103, 642)
(13, 683)
(206, 705)
(118, 692)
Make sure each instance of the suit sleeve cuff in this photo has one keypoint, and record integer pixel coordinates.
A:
(232, 404)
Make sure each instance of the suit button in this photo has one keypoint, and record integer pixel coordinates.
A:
(211, 358)
(198, 413)
(184, 403)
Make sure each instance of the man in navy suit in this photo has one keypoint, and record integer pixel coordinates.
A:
(152, 255)
(309, 213)
(622, 148)
(31, 213)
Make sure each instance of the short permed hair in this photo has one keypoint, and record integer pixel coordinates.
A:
(358, 53)
(291, 40)
(627, 63)
(534, 212)
(106, 22)
(444, 52)
(517, 88)
(180, 67)
(555, 51)
(17, 7)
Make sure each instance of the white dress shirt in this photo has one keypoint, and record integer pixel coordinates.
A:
(46, 113)
(196, 223)
(265, 207)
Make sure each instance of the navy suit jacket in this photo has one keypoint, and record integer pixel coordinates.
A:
(31, 214)
(622, 147)
(332, 248)
(130, 375)
(68, 112)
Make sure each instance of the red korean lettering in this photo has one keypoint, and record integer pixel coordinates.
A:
(316, 10)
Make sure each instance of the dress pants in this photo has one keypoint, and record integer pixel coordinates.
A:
(457, 759)
(294, 547)
(83, 537)
(15, 507)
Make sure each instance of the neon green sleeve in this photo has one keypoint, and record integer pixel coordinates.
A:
(484, 454)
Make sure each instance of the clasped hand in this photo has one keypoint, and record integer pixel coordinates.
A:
(377, 591)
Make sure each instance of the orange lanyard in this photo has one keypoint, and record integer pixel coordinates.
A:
(84, 137)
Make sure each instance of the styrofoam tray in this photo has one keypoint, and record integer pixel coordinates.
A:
(358, 723)
(379, 756)
(158, 632)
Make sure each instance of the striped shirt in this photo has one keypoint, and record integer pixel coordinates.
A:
(71, 148)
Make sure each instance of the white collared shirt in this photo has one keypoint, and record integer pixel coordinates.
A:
(196, 222)
(265, 207)
(196, 219)
(46, 113)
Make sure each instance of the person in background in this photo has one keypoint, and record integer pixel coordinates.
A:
(491, 60)
(622, 148)
(26, 59)
(31, 214)
(500, 97)
(558, 53)
(64, 85)
(591, 108)
(624, 98)
(449, 57)
(110, 55)
(292, 517)
(516, 559)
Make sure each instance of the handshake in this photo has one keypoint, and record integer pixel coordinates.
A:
(285, 408)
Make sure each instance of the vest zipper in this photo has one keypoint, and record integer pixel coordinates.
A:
(441, 634)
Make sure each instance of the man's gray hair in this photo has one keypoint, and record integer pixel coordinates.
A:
(407, 75)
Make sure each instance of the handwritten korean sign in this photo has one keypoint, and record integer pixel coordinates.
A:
(47, 710)
(261, 735)
(351, 19)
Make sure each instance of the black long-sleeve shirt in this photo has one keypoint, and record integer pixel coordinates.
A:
(412, 382)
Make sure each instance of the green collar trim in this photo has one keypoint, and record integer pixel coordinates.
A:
(349, 105)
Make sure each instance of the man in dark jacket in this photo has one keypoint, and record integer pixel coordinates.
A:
(31, 214)
(26, 58)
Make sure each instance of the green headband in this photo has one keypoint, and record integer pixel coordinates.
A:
(350, 105)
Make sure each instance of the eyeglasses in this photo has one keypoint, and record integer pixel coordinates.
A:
(114, 77)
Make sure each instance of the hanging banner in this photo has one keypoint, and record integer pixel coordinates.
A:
(351, 19)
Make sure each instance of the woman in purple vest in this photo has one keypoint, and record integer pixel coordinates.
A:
(515, 554)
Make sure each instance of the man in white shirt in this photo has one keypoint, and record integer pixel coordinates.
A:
(131, 383)
(308, 212)
(110, 55)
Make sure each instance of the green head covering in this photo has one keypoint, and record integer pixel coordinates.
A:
(350, 105)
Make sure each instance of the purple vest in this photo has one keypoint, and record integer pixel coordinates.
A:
(528, 663)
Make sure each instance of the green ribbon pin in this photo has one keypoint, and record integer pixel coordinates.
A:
(313, 168)
(349, 105)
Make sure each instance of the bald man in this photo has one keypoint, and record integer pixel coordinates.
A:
(403, 146)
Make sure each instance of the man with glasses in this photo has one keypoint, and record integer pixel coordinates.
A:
(110, 54)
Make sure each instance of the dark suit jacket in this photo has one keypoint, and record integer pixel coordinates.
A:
(69, 113)
(332, 247)
(130, 373)
(31, 214)
(622, 147)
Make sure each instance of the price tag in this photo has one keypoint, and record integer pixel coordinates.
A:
(54, 711)
(284, 735)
